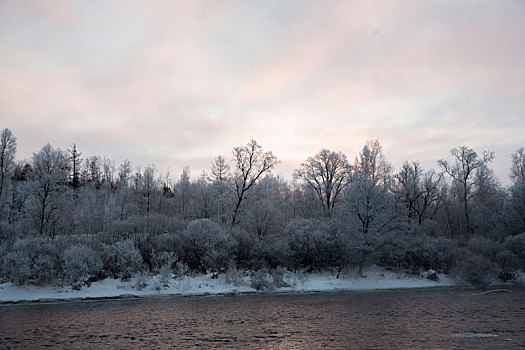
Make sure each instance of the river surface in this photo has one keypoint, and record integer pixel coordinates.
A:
(395, 319)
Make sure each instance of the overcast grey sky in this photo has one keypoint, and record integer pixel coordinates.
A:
(178, 82)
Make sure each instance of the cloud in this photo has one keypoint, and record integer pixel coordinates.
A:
(178, 82)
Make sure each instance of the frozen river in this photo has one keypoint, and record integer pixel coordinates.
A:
(429, 318)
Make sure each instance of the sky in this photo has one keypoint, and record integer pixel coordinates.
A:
(175, 83)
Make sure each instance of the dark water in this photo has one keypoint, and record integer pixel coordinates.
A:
(413, 319)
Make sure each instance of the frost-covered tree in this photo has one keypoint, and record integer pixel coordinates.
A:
(124, 173)
(517, 171)
(368, 197)
(419, 191)
(327, 174)
(203, 196)
(149, 186)
(108, 172)
(220, 171)
(184, 192)
(48, 178)
(409, 186)
(266, 210)
(517, 189)
(94, 171)
(488, 204)
(7, 165)
(251, 162)
(462, 170)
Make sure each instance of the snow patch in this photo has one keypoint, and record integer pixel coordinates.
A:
(474, 335)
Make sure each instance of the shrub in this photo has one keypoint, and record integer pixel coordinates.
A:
(80, 263)
(233, 275)
(261, 280)
(516, 244)
(416, 253)
(473, 269)
(310, 243)
(162, 260)
(207, 246)
(244, 248)
(279, 277)
(181, 270)
(508, 263)
(32, 260)
(123, 259)
(154, 224)
(484, 246)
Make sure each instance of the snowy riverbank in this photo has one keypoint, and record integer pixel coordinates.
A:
(142, 286)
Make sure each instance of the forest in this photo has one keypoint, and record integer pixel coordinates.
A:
(66, 218)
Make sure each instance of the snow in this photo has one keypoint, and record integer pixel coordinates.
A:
(141, 286)
(474, 335)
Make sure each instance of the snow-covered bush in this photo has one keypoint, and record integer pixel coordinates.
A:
(244, 248)
(80, 262)
(207, 245)
(261, 280)
(166, 275)
(32, 260)
(123, 259)
(270, 251)
(267, 280)
(181, 270)
(280, 277)
(516, 244)
(483, 246)
(508, 263)
(154, 224)
(233, 275)
(162, 259)
(141, 280)
(310, 242)
(474, 269)
(7, 233)
(168, 242)
(416, 253)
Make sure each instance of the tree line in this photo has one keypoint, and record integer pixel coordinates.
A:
(67, 210)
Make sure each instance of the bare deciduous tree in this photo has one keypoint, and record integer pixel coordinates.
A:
(48, 178)
(462, 170)
(517, 190)
(368, 195)
(7, 164)
(517, 171)
(419, 191)
(327, 174)
(251, 161)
